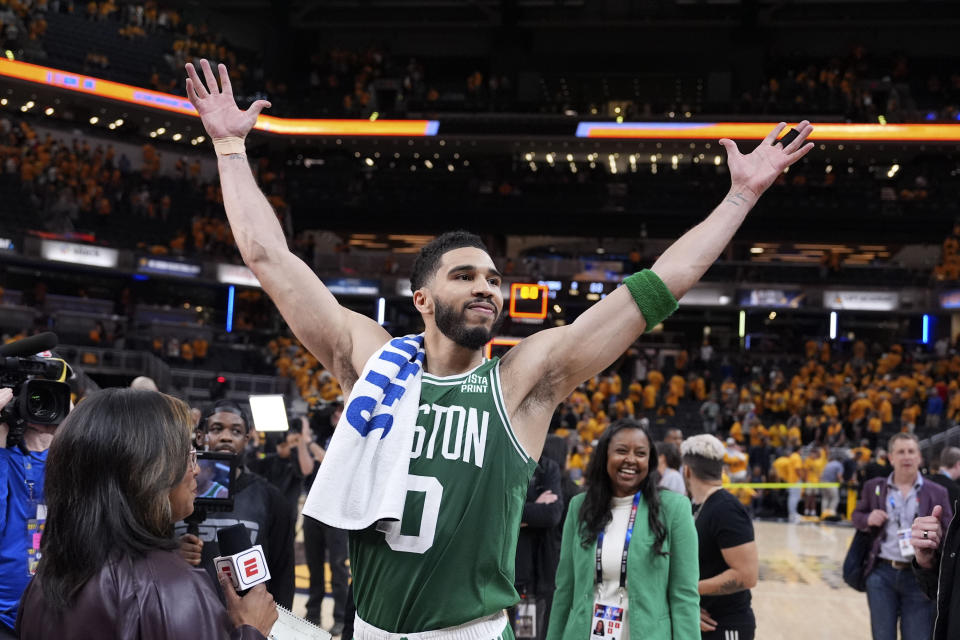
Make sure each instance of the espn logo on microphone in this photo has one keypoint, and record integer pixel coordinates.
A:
(245, 569)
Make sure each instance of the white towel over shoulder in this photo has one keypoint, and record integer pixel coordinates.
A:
(363, 477)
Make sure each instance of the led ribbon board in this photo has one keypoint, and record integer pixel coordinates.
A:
(528, 300)
(167, 102)
(825, 132)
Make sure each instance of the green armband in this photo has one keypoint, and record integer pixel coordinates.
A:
(654, 299)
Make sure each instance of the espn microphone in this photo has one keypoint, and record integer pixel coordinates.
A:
(29, 346)
(244, 564)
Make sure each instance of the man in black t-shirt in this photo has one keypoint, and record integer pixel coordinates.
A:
(729, 563)
(257, 504)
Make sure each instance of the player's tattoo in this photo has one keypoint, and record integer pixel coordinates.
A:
(730, 586)
(737, 199)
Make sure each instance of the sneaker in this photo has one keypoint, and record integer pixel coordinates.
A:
(336, 629)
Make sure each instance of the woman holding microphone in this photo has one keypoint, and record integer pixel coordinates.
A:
(120, 472)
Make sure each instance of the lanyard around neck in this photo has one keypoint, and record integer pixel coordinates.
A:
(626, 547)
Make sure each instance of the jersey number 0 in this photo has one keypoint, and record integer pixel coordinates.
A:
(421, 542)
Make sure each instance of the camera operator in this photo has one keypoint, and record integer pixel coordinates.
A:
(280, 464)
(258, 505)
(321, 540)
(22, 512)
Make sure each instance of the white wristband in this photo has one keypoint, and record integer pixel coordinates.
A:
(228, 146)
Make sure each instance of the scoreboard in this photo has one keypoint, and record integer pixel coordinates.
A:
(528, 301)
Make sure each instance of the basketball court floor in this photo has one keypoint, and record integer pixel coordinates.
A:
(801, 594)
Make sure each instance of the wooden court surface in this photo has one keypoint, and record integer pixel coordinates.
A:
(801, 594)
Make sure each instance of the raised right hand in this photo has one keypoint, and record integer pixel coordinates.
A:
(219, 113)
(877, 518)
(256, 609)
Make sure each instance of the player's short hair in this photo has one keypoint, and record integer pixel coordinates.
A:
(428, 260)
(703, 455)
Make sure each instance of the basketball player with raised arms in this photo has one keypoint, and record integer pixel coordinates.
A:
(458, 581)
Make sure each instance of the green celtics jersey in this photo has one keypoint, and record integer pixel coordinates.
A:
(450, 560)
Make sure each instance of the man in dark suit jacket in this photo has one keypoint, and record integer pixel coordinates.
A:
(949, 472)
(888, 507)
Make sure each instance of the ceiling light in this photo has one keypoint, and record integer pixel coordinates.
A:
(94, 120)
(176, 137)
(49, 111)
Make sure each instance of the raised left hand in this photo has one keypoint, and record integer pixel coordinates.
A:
(757, 170)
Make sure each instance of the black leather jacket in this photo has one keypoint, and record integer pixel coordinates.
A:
(156, 597)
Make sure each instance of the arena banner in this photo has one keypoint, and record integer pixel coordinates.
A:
(236, 274)
(822, 132)
(780, 298)
(85, 254)
(168, 267)
(861, 300)
(706, 297)
(178, 104)
(950, 299)
(353, 286)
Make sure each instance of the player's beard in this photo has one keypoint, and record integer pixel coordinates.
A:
(454, 325)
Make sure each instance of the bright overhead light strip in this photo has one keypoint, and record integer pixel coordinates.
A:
(822, 132)
(167, 102)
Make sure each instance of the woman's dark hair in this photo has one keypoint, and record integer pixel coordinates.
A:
(109, 473)
(595, 512)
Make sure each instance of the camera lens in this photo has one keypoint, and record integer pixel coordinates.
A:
(41, 404)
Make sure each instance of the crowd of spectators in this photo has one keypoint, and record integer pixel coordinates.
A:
(780, 422)
(859, 85)
(159, 208)
(948, 270)
(22, 22)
